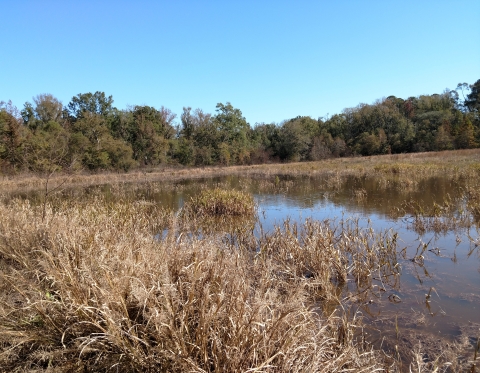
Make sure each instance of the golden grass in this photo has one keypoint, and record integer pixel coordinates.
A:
(94, 287)
(457, 163)
(220, 202)
(108, 283)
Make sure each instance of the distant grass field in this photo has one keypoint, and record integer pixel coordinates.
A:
(456, 162)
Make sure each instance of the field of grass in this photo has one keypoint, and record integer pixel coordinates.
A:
(96, 284)
(460, 163)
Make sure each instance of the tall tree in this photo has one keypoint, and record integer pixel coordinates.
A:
(150, 131)
(295, 140)
(11, 137)
(94, 103)
(188, 123)
(472, 101)
(466, 136)
(47, 109)
(231, 124)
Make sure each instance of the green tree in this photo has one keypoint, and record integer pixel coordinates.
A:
(206, 138)
(92, 142)
(472, 101)
(336, 126)
(149, 134)
(185, 152)
(188, 123)
(47, 150)
(47, 109)
(93, 103)
(368, 144)
(265, 142)
(231, 125)
(121, 124)
(223, 155)
(12, 135)
(295, 141)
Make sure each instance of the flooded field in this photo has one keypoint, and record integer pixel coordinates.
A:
(450, 263)
(431, 291)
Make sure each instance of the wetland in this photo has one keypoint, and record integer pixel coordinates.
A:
(376, 260)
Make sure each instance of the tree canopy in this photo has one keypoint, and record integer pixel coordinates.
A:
(89, 133)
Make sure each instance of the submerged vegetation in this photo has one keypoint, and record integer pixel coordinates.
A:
(100, 279)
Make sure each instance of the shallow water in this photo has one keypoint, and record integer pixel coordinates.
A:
(450, 273)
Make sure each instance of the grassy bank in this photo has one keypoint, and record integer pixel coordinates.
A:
(458, 162)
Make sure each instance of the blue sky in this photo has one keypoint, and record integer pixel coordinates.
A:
(273, 60)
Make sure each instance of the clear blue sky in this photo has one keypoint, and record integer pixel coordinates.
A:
(273, 60)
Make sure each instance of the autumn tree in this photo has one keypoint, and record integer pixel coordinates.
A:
(12, 136)
(149, 134)
(466, 136)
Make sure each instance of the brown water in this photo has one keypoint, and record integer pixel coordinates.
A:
(450, 272)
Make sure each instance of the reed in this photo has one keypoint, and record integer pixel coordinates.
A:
(95, 287)
(98, 280)
(220, 202)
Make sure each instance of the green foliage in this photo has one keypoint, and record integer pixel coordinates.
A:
(12, 136)
(93, 103)
(148, 134)
(101, 137)
(231, 125)
(185, 152)
(472, 101)
(188, 124)
(295, 138)
(47, 150)
(47, 109)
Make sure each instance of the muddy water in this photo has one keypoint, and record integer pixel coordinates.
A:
(440, 296)
(450, 272)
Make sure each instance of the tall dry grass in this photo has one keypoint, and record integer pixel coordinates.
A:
(96, 286)
(220, 202)
(455, 163)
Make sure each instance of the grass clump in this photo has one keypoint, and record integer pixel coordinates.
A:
(221, 202)
(93, 288)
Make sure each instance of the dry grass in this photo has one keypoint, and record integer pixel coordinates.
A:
(219, 202)
(107, 283)
(458, 163)
(93, 287)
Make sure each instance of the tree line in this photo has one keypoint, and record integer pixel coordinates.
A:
(89, 133)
